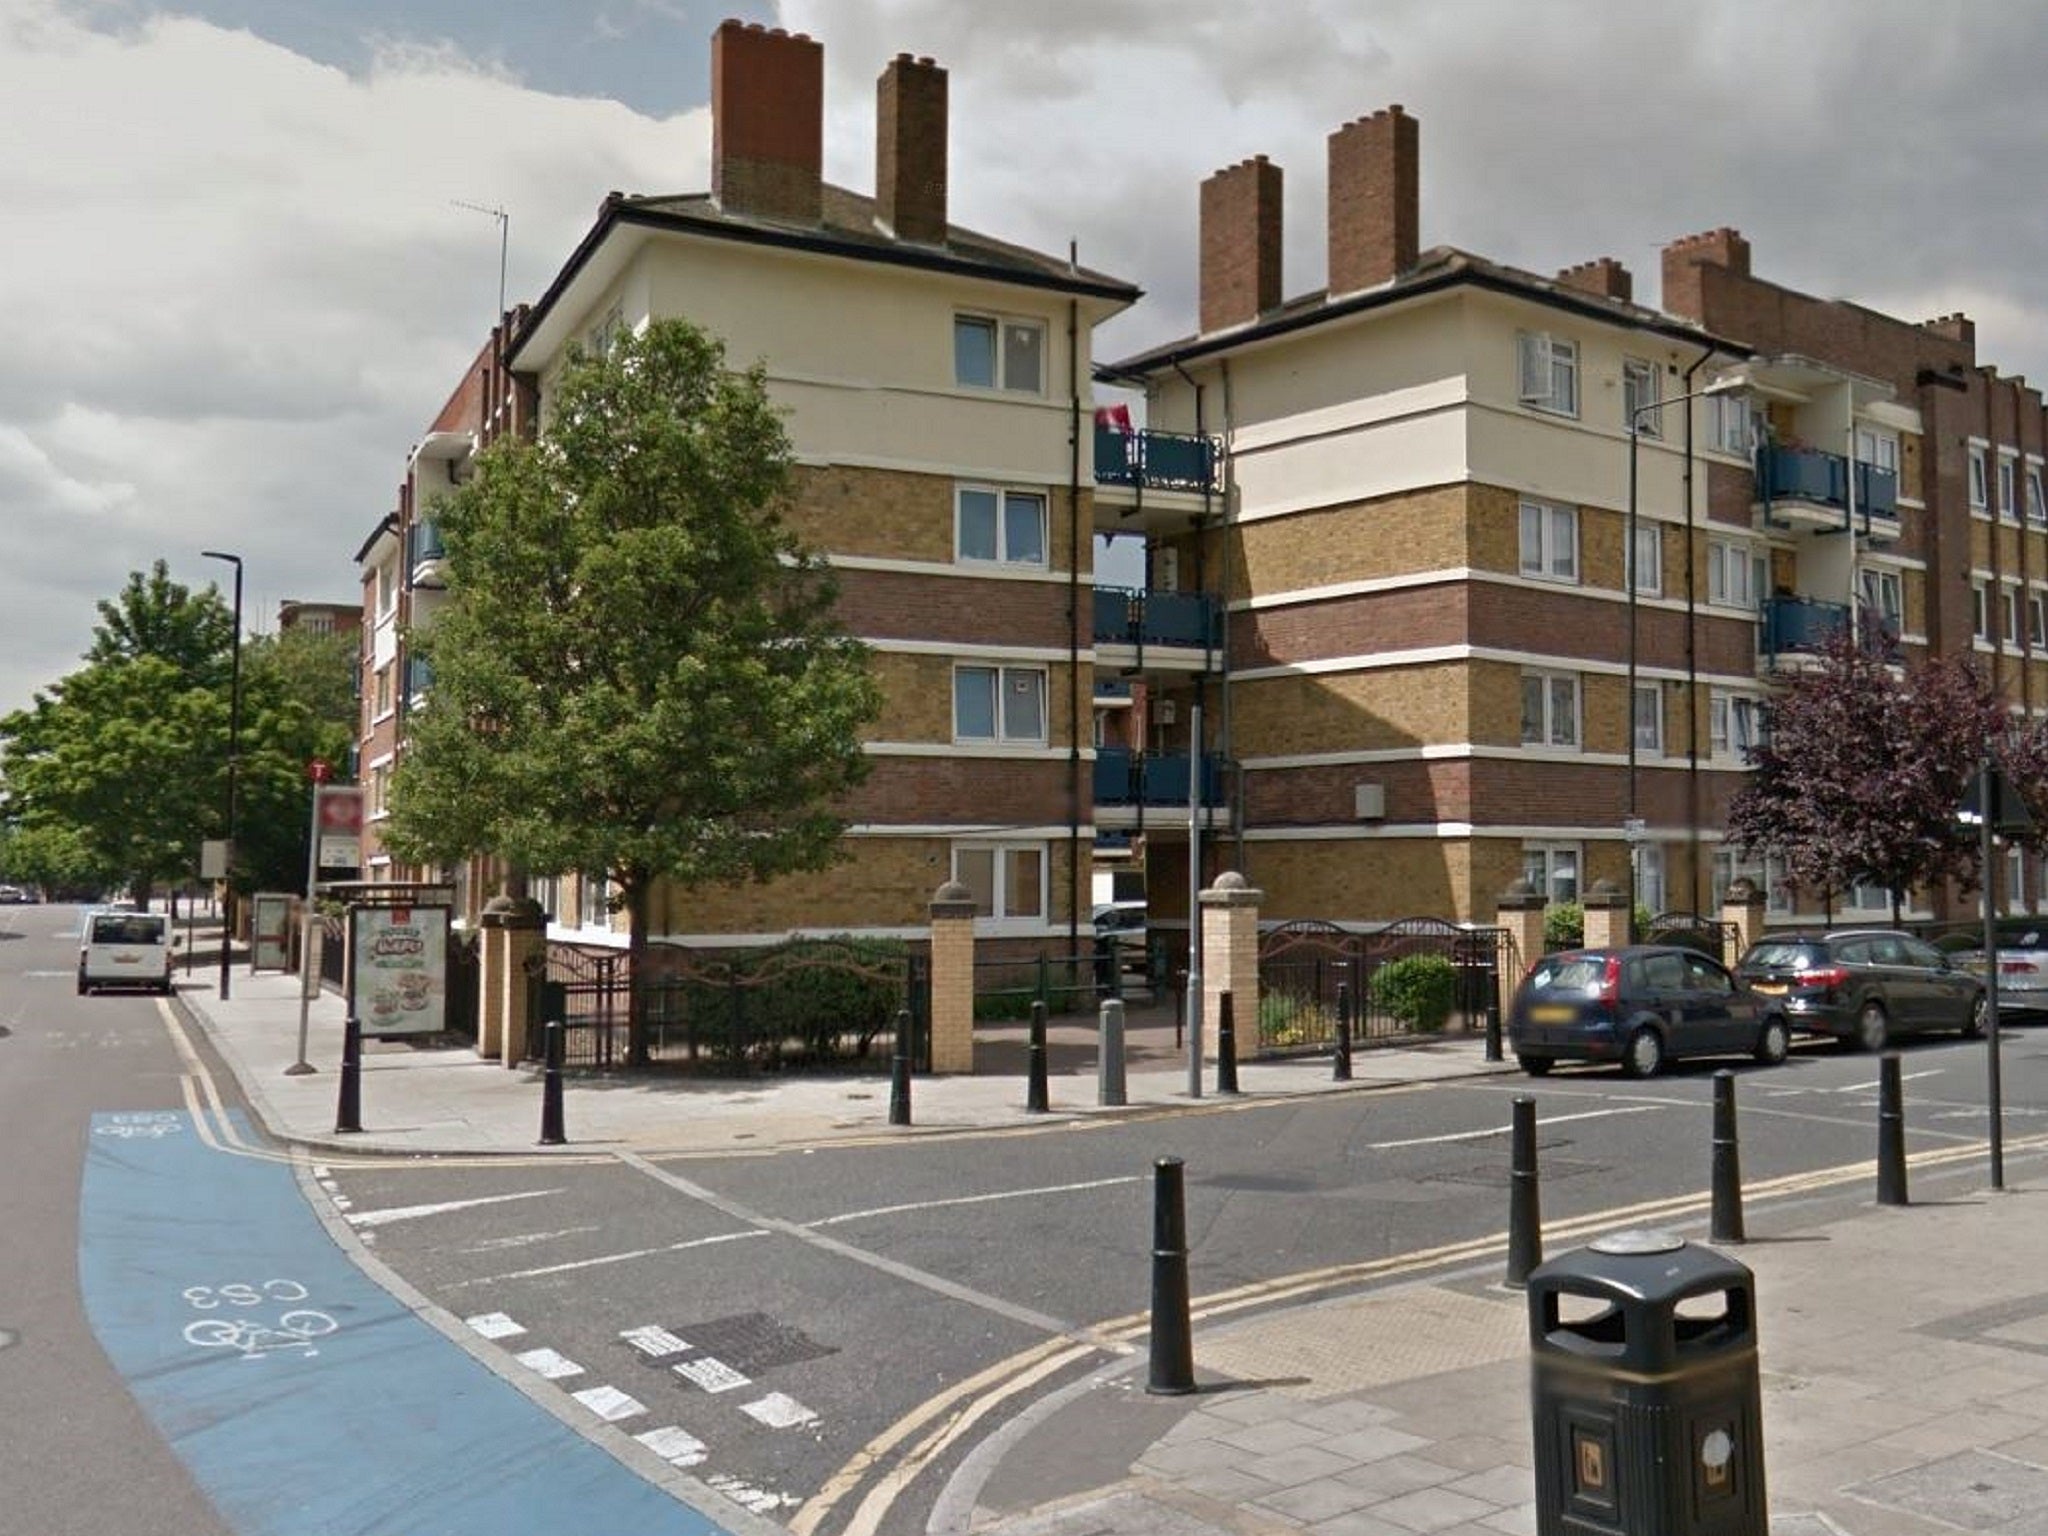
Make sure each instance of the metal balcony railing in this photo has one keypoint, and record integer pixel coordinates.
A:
(419, 677)
(1792, 625)
(1803, 474)
(1166, 461)
(423, 543)
(1141, 616)
(1124, 777)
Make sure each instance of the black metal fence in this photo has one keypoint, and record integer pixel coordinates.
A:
(333, 953)
(807, 1004)
(1067, 982)
(465, 963)
(1418, 977)
(1692, 931)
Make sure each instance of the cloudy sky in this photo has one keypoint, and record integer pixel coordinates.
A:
(240, 283)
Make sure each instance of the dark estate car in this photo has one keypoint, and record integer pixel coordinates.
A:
(1640, 1005)
(1864, 986)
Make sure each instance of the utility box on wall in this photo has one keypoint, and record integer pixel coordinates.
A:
(1369, 801)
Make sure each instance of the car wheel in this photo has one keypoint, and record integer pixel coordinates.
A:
(1773, 1042)
(1535, 1066)
(1645, 1054)
(1980, 1007)
(1872, 1028)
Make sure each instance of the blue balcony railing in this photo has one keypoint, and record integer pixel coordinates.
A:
(423, 543)
(1802, 474)
(1799, 624)
(1143, 616)
(1124, 777)
(1165, 461)
(419, 677)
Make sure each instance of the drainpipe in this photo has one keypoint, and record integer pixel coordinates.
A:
(1692, 668)
(1074, 760)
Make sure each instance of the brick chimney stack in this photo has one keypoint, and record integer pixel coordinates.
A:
(1604, 278)
(910, 150)
(1685, 284)
(1956, 327)
(1240, 255)
(767, 122)
(1375, 200)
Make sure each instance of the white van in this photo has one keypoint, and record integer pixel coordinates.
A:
(125, 949)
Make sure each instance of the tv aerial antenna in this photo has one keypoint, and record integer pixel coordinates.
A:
(504, 239)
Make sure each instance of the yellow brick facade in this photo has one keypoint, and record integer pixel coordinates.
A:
(1376, 709)
(1363, 541)
(886, 514)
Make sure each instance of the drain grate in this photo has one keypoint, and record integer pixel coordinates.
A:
(1495, 1174)
(750, 1342)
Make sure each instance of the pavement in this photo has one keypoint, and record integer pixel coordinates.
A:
(1903, 1349)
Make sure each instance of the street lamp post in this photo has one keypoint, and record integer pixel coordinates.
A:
(1631, 579)
(234, 756)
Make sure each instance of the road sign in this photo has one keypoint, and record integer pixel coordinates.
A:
(1634, 828)
(338, 819)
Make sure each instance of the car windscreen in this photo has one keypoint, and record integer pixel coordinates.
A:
(1577, 973)
(127, 930)
(1781, 955)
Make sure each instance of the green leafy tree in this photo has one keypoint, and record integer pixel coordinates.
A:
(638, 670)
(298, 704)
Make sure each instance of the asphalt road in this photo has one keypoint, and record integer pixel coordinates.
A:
(81, 1457)
(854, 1287)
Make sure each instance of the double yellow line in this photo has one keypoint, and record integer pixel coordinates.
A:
(945, 1419)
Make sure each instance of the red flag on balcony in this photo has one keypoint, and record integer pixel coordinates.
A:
(1115, 417)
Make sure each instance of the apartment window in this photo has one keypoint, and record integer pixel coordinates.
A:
(1007, 527)
(380, 791)
(2037, 621)
(1550, 541)
(2009, 612)
(2008, 492)
(2015, 892)
(384, 675)
(1883, 595)
(1639, 397)
(1550, 709)
(604, 335)
(1646, 560)
(1877, 448)
(1864, 897)
(387, 592)
(1649, 717)
(1735, 575)
(1980, 611)
(1000, 704)
(2037, 508)
(1549, 373)
(1730, 427)
(1007, 880)
(999, 354)
(1649, 860)
(1553, 869)
(1977, 478)
(1731, 724)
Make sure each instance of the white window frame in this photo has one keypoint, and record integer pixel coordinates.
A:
(999, 326)
(1001, 906)
(2009, 613)
(1731, 425)
(1549, 540)
(1884, 591)
(1980, 473)
(1540, 861)
(1731, 724)
(1735, 574)
(2008, 488)
(2037, 621)
(1557, 731)
(1641, 397)
(1003, 496)
(1646, 559)
(1547, 372)
(2015, 892)
(1648, 724)
(1980, 612)
(1873, 900)
(1877, 447)
(1004, 677)
(1649, 865)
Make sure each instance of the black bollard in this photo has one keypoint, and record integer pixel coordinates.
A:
(1891, 1133)
(1109, 1063)
(1173, 1346)
(348, 1108)
(1341, 1071)
(1525, 1219)
(551, 1132)
(899, 1072)
(1226, 1046)
(1035, 1098)
(1727, 1175)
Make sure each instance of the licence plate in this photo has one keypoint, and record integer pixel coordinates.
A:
(1552, 1013)
(127, 959)
(1773, 988)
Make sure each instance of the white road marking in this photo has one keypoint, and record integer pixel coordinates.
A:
(608, 1258)
(677, 1447)
(609, 1403)
(494, 1325)
(759, 1500)
(413, 1212)
(654, 1341)
(1544, 1122)
(549, 1363)
(524, 1239)
(712, 1374)
(778, 1410)
(1007, 1194)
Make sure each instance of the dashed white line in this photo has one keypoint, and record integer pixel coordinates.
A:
(415, 1212)
(677, 1447)
(549, 1363)
(778, 1410)
(654, 1341)
(609, 1403)
(1007, 1194)
(602, 1259)
(712, 1374)
(494, 1325)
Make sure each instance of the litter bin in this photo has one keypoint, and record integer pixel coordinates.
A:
(1644, 1397)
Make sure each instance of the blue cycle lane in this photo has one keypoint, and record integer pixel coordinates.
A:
(304, 1398)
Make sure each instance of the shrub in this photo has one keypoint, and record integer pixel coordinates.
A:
(1285, 1019)
(1418, 990)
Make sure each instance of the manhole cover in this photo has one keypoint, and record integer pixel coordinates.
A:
(1495, 1174)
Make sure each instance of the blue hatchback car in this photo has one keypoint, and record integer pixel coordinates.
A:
(1640, 1005)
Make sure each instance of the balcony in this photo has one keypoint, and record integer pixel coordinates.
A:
(1159, 461)
(1127, 778)
(1793, 627)
(424, 551)
(1138, 628)
(419, 677)
(1803, 487)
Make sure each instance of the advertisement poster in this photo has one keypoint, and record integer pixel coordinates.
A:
(273, 931)
(338, 826)
(398, 960)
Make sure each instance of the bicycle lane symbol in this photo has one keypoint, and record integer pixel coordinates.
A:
(252, 1335)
